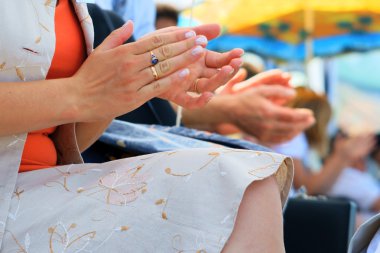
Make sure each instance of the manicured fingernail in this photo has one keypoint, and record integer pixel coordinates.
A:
(183, 73)
(127, 23)
(201, 40)
(241, 51)
(240, 61)
(197, 50)
(231, 72)
(190, 34)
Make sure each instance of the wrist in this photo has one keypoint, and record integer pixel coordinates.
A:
(72, 110)
(341, 158)
(221, 109)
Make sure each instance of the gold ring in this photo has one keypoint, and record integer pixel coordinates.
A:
(196, 86)
(154, 72)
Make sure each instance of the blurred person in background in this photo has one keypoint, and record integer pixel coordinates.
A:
(343, 171)
(141, 12)
(166, 16)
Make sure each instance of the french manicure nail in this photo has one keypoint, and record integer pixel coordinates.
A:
(201, 40)
(190, 34)
(127, 23)
(183, 73)
(197, 50)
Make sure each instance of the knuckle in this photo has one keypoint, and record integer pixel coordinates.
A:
(164, 67)
(157, 40)
(165, 51)
(157, 85)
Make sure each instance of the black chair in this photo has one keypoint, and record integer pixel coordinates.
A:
(318, 225)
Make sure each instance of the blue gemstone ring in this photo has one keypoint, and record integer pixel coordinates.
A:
(154, 59)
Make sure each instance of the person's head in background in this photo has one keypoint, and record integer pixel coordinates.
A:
(316, 135)
(166, 16)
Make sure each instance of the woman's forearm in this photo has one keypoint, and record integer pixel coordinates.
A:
(321, 182)
(208, 117)
(29, 106)
(88, 133)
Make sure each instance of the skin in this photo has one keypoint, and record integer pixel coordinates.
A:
(253, 107)
(116, 79)
(261, 198)
(258, 225)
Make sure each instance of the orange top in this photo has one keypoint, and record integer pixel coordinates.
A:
(70, 52)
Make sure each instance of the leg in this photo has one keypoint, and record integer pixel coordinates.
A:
(258, 226)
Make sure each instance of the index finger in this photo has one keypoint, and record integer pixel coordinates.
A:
(211, 31)
(157, 40)
(294, 115)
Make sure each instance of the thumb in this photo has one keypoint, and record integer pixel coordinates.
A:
(117, 37)
(239, 77)
(276, 92)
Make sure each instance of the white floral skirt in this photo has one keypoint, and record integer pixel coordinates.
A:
(180, 201)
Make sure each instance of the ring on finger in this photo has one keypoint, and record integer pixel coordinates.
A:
(154, 72)
(196, 86)
(153, 58)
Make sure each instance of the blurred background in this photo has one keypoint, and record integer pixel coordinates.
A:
(330, 46)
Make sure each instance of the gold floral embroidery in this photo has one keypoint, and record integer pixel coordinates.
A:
(119, 187)
(170, 172)
(2, 65)
(254, 172)
(22, 248)
(20, 74)
(177, 246)
(38, 39)
(60, 237)
(160, 202)
(66, 174)
(44, 27)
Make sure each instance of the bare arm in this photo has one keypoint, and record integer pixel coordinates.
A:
(321, 182)
(253, 113)
(346, 152)
(29, 106)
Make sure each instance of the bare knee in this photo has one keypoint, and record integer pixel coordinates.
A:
(258, 226)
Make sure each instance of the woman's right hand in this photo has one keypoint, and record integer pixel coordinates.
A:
(118, 78)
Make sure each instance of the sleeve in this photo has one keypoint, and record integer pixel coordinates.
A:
(358, 186)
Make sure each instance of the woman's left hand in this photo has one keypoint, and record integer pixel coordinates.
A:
(206, 74)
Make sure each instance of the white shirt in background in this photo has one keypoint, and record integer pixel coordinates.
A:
(141, 12)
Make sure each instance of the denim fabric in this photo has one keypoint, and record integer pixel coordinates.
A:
(145, 139)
